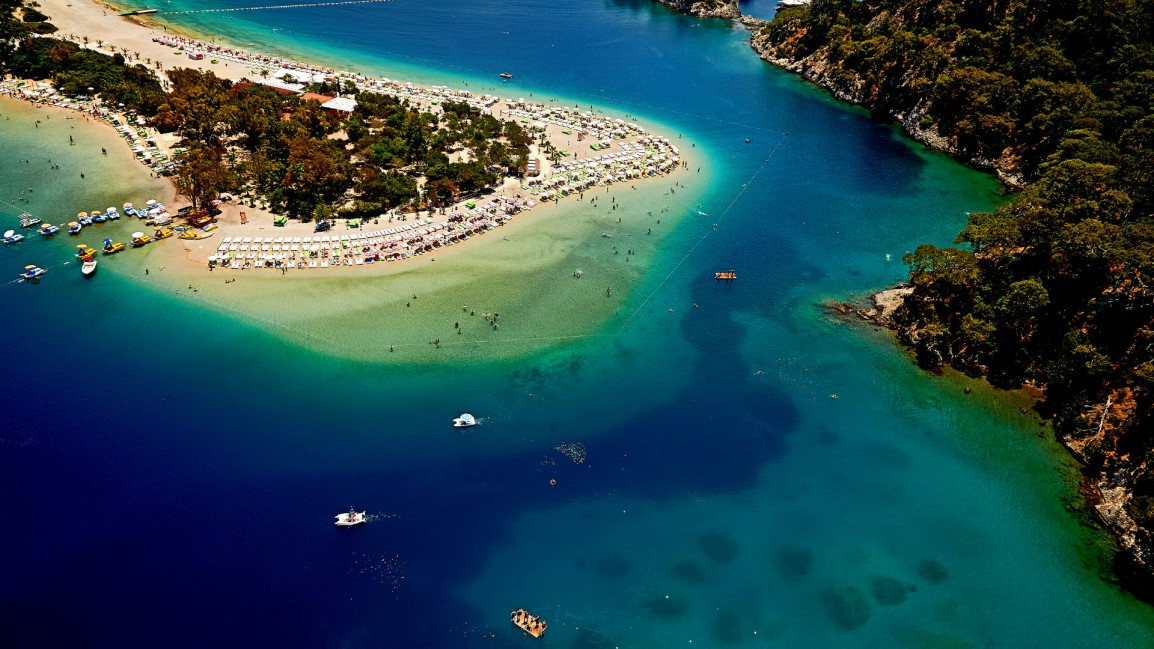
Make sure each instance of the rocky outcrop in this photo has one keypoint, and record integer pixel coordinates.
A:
(727, 9)
(1111, 474)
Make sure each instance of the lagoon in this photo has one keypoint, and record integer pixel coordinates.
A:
(173, 460)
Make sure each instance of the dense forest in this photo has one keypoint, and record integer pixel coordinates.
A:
(1056, 287)
(296, 157)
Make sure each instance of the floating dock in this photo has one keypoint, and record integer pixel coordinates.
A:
(138, 12)
(531, 624)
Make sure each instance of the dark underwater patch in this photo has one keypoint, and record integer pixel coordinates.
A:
(847, 607)
(888, 591)
(793, 562)
(720, 548)
(932, 571)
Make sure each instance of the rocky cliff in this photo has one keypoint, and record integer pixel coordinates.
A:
(727, 9)
(780, 49)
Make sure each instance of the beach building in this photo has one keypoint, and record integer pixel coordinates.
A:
(340, 106)
(317, 97)
(533, 168)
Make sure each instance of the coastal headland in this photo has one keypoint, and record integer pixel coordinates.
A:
(549, 259)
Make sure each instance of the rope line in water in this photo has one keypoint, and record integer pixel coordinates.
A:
(261, 7)
(738, 195)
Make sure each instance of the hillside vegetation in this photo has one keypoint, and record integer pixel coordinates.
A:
(1055, 287)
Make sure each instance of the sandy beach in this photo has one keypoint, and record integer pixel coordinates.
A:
(545, 270)
(106, 31)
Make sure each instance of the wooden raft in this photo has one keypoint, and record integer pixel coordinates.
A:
(531, 624)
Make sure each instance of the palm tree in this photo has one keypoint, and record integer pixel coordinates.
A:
(85, 39)
(99, 43)
(136, 55)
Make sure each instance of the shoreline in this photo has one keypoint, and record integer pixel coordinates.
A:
(638, 155)
(528, 275)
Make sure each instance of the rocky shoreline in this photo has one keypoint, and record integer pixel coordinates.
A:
(1108, 485)
(818, 69)
(726, 9)
(1107, 488)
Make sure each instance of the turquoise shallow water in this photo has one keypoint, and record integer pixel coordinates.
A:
(174, 468)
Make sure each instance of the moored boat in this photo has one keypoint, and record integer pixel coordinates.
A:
(11, 237)
(728, 274)
(464, 421)
(74, 228)
(112, 214)
(139, 239)
(111, 248)
(129, 209)
(32, 272)
(83, 251)
(161, 233)
(531, 624)
(27, 220)
(506, 75)
(351, 517)
(88, 266)
(84, 218)
(48, 230)
(194, 235)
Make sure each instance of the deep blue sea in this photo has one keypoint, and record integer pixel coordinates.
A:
(754, 473)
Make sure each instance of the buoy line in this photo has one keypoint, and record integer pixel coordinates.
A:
(261, 7)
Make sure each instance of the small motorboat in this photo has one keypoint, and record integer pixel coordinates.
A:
(99, 217)
(531, 624)
(83, 251)
(464, 421)
(27, 220)
(139, 239)
(506, 75)
(111, 248)
(49, 230)
(726, 274)
(161, 233)
(11, 237)
(129, 209)
(350, 518)
(112, 214)
(88, 265)
(32, 272)
(84, 218)
(74, 228)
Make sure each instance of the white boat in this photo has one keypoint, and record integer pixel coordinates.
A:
(464, 421)
(27, 220)
(12, 236)
(350, 518)
(31, 272)
(88, 265)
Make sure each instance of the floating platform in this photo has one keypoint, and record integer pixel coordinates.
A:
(531, 624)
(138, 12)
(726, 274)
